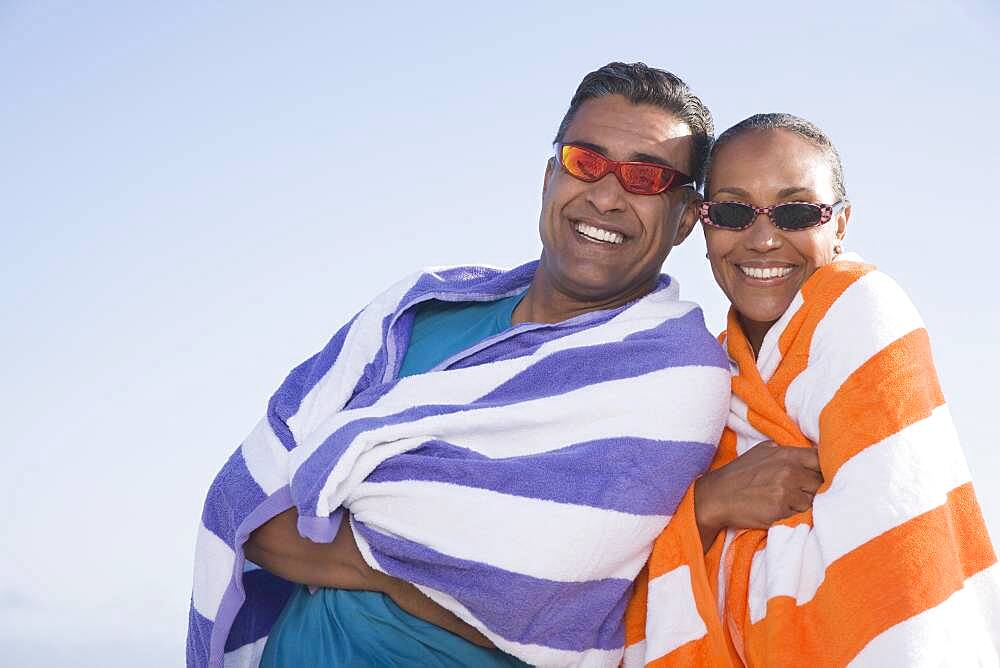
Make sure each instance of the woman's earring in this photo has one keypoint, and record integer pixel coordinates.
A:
(838, 249)
(706, 255)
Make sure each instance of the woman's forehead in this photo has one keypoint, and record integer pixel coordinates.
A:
(770, 161)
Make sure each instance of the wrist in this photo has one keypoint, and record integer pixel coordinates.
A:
(708, 511)
(381, 582)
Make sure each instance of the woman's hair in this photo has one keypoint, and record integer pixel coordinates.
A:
(641, 84)
(799, 126)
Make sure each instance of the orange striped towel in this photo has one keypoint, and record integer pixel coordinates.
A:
(893, 565)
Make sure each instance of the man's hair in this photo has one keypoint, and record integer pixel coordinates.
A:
(641, 84)
(799, 126)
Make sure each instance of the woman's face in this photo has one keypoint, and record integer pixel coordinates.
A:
(764, 168)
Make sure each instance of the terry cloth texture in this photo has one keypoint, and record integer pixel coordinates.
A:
(893, 565)
(520, 483)
(339, 627)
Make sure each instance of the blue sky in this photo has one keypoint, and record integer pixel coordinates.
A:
(193, 196)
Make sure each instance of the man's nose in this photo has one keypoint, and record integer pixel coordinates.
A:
(606, 194)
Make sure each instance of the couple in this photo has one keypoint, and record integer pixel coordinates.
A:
(559, 465)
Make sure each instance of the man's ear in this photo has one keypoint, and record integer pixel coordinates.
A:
(692, 203)
(550, 167)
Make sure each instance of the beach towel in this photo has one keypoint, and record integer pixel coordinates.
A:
(893, 565)
(519, 484)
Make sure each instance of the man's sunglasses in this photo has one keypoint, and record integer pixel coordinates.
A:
(790, 216)
(640, 178)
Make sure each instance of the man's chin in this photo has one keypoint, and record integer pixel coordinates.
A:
(598, 287)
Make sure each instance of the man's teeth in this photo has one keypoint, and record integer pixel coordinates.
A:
(597, 234)
(765, 272)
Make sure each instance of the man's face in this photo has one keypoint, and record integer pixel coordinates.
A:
(643, 227)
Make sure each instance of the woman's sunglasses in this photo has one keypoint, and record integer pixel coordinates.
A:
(790, 216)
(640, 178)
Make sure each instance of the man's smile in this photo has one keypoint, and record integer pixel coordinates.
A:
(598, 234)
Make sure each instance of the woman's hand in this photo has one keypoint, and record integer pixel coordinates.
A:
(764, 484)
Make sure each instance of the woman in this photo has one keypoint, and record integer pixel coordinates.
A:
(892, 565)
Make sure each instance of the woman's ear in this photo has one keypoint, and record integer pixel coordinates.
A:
(842, 218)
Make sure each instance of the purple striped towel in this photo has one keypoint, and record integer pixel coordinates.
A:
(520, 484)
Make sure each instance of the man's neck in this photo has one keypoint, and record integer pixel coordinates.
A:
(545, 302)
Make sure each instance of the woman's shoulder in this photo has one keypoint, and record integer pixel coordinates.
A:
(865, 311)
(863, 294)
(865, 336)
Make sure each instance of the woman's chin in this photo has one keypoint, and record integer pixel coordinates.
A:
(761, 312)
(762, 304)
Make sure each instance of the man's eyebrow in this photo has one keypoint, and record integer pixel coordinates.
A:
(645, 157)
(635, 157)
(586, 144)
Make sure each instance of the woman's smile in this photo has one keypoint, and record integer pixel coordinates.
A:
(765, 273)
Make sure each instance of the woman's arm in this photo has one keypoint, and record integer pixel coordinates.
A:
(277, 546)
(755, 489)
(763, 485)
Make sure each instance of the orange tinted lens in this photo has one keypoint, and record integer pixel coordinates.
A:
(583, 164)
(644, 179)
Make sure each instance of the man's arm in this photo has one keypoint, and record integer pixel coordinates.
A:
(277, 546)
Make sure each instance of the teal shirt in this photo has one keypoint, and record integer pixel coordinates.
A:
(442, 329)
(340, 627)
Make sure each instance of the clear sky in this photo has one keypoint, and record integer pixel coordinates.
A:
(193, 196)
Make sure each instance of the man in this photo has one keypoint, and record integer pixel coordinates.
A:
(508, 444)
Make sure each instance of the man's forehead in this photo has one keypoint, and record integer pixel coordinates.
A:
(626, 131)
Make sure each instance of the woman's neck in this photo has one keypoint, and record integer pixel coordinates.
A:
(755, 332)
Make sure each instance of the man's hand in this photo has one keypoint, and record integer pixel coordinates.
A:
(277, 546)
(413, 601)
(764, 484)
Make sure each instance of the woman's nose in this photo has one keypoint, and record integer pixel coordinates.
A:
(762, 235)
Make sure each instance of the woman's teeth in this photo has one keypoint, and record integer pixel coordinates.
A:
(597, 234)
(764, 273)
